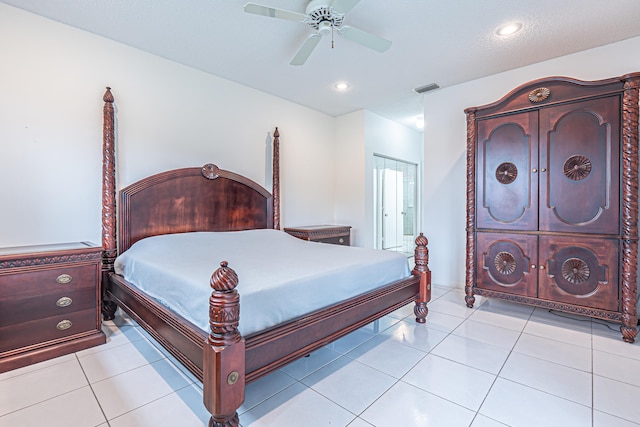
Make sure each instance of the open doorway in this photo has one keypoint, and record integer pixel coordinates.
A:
(395, 204)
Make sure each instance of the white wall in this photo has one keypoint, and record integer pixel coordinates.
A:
(52, 80)
(445, 143)
(349, 169)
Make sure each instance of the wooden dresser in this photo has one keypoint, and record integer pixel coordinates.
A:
(335, 234)
(49, 302)
(552, 198)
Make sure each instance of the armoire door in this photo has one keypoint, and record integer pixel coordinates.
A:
(579, 270)
(507, 163)
(579, 166)
(508, 263)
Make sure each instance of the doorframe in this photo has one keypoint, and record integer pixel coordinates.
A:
(377, 215)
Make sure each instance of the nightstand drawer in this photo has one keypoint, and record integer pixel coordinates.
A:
(49, 301)
(22, 284)
(48, 329)
(26, 308)
(339, 240)
(334, 234)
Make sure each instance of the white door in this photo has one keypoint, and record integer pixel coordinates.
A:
(392, 209)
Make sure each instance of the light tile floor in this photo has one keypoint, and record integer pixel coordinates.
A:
(499, 364)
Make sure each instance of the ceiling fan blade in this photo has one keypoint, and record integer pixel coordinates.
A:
(343, 6)
(365, 39)
(271, 12)
(305, 50)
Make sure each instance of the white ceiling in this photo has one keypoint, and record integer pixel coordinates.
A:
(434, 41)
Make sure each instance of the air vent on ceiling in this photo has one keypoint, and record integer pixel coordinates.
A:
(426, 88)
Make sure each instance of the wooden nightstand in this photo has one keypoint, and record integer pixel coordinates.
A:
(49, 302)
(336, 234)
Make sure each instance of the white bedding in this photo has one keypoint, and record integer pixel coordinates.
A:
(280, 277)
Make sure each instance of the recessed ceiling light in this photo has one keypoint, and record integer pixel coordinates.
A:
(341, 86)
(509, 29)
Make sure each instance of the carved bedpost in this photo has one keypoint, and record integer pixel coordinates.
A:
(223, 364)
(471, 209)
(108, 200)
(629, 207)
(421, 256)
(275, 191)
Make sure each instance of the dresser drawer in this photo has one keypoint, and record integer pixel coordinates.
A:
(57, 302)
(36, 282)
(41, 331)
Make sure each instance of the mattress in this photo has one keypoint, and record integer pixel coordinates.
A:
(280, 277)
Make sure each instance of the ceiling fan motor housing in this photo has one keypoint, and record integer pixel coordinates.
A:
(321, 17)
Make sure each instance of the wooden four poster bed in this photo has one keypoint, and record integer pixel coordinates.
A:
(209, 199)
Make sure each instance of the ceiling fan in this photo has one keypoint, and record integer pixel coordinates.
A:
(323, 16)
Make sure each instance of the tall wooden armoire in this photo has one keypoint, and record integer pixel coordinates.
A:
(552, 198)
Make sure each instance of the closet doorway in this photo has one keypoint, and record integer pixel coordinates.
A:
(395, 204)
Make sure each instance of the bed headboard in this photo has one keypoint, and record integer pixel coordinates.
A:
(190, 199)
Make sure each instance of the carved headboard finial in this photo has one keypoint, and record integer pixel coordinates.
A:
(108, 96)
(108, 182)
(224, 307)
(275, 190)
(224, 278)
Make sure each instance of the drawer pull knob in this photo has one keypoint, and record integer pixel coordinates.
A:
(64, 324)
(341, 240)
(63, 279)
(64, 302)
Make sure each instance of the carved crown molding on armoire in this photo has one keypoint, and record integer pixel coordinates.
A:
(552, 198)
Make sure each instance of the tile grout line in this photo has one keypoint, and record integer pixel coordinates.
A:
(500, 370)
(49, 398)
(593, 384)
(400, 380)
(92, 390)
(344, 355)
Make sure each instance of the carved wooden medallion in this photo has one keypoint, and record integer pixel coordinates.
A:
(210, 171)
(539, 94)
(505, 263)
(575, 270)
(506, 173)
(577, 167)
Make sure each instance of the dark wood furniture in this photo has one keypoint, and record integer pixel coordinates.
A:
(211, 199)
(552, 198)
(49, 300)
(335, 234)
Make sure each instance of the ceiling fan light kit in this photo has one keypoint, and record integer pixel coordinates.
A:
(322, 16)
